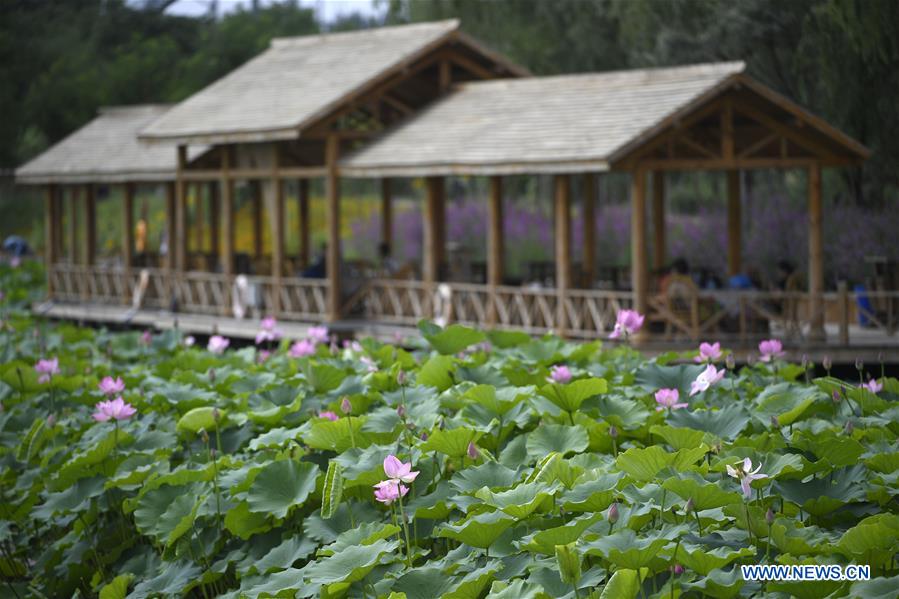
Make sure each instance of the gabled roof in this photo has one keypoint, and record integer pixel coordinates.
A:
(106, 150)
(300, 79)
(567, 123)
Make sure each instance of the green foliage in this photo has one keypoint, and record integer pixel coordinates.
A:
(285, 507)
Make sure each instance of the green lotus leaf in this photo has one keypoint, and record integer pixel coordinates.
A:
(174, 580)
(364, 533)
(678, 438)
(337, 435)
(623, 584)
(877, 588)
(653, 377)
(820, 496)
(520, 501)
(452, 339)
(507, 339)
(645, 463)
(496, 402)
(118, 588)
(786, 401)
(591, 496)
(283, 556)
(626, 550)
(878, 533)
(560, 438)
(430, 582)
(622, 412)
(280, 486)
(791, 537)
(722, 584)
(288, 583)
(437, 373)
(703, 560)
(351, 564)
(436, 505)
(883, 462)
(276, 437)
(451, 442)
(517, 589)
(199, 419)
(570, 396)
(569, 562)
(89, 462)
(727, 423)
(76, 498)
(544, 541)
(480, 530)
(705, 495)
(323, 377)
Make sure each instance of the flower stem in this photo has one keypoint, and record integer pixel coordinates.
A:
(350, 424)
(405, 532)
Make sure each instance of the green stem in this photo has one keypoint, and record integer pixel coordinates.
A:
(698, 523)
(352, 439)
(405, 532)
(571, 418)
(748, 522)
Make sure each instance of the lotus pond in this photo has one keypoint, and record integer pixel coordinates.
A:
(456, 464)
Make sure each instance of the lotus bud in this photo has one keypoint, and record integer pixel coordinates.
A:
(849, 427)
(730, 362)
(424, 435)
(211, 375)
(805, 362)
(212, 452)
(750, 360)
(204, 435)
(716, 448)
(880, 357)
(345, 406)
(216, 415)
(613, 432)
(688, 507)
(613, 513)
(401, 378)
(769, 516)
(836, 396)
(51, 420)
(472, 450)
(401, 411)
(859, 365)
(827, 363)
(678, 569)
(775, 423)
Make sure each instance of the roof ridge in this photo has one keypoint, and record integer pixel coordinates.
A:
(114, 108)
(283, 42)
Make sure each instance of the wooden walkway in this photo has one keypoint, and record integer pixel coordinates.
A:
(867, 344)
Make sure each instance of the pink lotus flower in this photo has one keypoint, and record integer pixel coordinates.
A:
(189, 341)
(873, 386)
(268, 330)
(398, 471)
(301, 349)
(263, 356)
(472, 451)
(146, 337)
(706, 379)
(370, 365)
(667, 398)
(115, 409)
(559, 374)
(47, 368)
(708, 352)
(218, 344)
(327, 414)
(388, 491)
(111, 386)
(627, 323)
(746, 475)
(318, 334)
(770, 349)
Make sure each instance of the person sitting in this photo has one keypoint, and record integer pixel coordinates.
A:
(319, 267)
(387, 265)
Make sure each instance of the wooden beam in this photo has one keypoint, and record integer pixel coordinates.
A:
(758, 145)
(332, 186)
(660, 243)
(431, 232)
(386, 212)
(287, 172)
(815, 253)
(639, 275)
(256, 199)
(128, 226)
(589, 224)
(170, 233)
(784, 130)
(303, 213)
(74, 197)
(562, 185)
(277, 222)
(446, 75)
(226, 255)
(495, 236)
(689, 164)
(199, 218)
(90, 225)
(214, 217)
(734, 226)
(727, 130)
(50, 226)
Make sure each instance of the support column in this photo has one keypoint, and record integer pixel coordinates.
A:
(303, 213)
(170, 227)
(660, 243)
(50, 233)
(495, 243)
(431, 239)
(734, 226)
(332, 186)
(128, 227)
(639, 275)
(180, 242)
(277, 221)
(562, 185)
(74, 194)
(90, 225)
(226, 255)
(386, 213)
(815, 254)
(589, 224)
(214, 218)
(256, 188)
(200, 218)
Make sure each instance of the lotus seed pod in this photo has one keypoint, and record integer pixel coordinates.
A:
(613, 513)
(769, 516)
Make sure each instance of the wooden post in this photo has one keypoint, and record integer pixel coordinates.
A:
(74, 193)
(446, 75)
(50, 226)
(495, 243)
(589, 224)
(660, 244)
(332, 185)
(226, 255)
(639, 278)
(180, 241)
(303, 211)
(386, 212)
(734, 227)
(170, 227)
(90, 225)
(200, 218)
(815, 254)
(843, 294)
(277, 221)
(562, 184)
(128, 227)
(256, 189)
(430, 268)
(214, 217)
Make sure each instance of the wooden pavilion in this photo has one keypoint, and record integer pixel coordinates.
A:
(426, 101)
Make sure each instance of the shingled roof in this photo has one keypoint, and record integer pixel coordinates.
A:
(106, 150)
(541, 124)
(300, 79)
